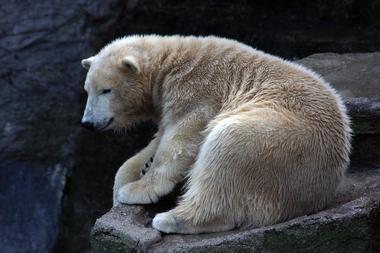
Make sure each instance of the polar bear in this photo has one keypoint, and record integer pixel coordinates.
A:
(259, 139)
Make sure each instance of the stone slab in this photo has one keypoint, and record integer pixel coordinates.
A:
(351, 224)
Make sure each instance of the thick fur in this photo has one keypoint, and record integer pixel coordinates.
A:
(260, 139)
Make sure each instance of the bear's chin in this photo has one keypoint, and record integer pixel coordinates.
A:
(106, 126)
(123, 127)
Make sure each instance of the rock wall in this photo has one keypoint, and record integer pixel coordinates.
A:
(57, 178)
(39, 48)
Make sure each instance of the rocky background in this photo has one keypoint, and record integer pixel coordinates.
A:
(55, 178)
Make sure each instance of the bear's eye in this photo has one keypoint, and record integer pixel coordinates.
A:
(105, 91)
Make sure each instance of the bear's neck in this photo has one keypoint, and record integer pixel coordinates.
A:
(162, 62)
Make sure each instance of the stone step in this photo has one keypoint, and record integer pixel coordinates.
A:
(352, 224)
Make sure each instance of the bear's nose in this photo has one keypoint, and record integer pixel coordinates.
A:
(87, 124)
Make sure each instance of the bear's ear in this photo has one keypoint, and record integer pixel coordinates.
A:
(86, 63)
(131, 63)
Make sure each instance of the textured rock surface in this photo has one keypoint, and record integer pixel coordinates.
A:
(351, 225)
(30, 205)
(39, 44)
(56, 178)
(46, 161)
(288, 28)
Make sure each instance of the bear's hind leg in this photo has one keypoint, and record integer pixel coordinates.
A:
(235, 179)
(168, 223)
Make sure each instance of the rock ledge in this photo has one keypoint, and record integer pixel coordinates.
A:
(351, 225)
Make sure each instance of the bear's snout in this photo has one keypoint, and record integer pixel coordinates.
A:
(87, 124)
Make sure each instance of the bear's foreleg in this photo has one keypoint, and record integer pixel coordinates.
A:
(241, 172)
(130, 171)
(175, 154)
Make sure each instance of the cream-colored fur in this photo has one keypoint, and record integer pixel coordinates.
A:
(260, 139)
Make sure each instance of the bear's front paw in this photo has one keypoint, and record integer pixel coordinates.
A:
(136, 193)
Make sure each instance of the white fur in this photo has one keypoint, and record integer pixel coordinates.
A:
(259, 139)
(97, 109)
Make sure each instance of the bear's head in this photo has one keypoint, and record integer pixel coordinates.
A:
(118, 92)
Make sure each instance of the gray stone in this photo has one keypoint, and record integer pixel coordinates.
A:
(39, 42)
(30, 206)
(351, 224)
(46, 192)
